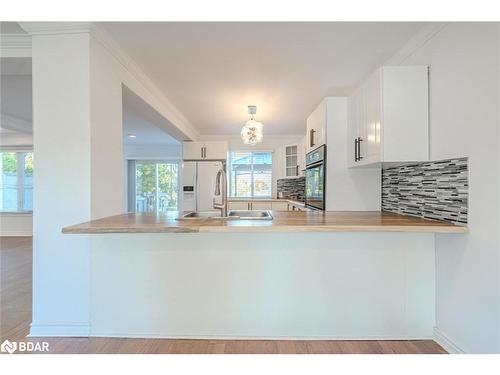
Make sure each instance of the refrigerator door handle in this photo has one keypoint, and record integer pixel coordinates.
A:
(196, 187)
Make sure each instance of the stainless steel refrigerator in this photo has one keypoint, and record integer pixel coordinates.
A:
(198, 185)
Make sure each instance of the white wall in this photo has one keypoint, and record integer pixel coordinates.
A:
(274, 143)
(160, 152)
(464, 121)
(77, 102)
(265, 285)
(62, 182)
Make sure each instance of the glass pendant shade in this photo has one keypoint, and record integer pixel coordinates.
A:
(251, 133)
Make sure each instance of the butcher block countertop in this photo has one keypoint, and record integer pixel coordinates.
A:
(284, 221)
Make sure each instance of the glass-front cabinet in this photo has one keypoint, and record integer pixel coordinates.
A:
(291, 161)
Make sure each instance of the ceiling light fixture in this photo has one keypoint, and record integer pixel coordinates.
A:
(251, 133)
(132, 136)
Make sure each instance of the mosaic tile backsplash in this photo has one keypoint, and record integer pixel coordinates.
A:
(432, 190)
(292, 188)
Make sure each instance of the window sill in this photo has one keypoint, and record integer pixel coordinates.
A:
(16, 213)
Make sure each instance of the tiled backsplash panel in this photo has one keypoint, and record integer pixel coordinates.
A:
(292, 188)
(433, 190)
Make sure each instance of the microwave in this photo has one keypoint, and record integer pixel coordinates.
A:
(316, 178)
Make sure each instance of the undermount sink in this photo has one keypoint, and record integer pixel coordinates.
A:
(232, 215)
(251, 215)
(201, 215)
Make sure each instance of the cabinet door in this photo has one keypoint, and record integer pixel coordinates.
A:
(256, 205)
(356, 125)
(370, 146)
(352, 130)
(280, 206)
(239, 205)
(316, 124)
(192, 150)
(215, 150)
(291, 161)
(301, 156)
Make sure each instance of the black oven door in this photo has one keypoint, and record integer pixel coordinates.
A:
(315, 186)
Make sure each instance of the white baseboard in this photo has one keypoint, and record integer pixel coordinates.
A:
(16, 234)
(165, 335)
(446, 342)
(60, 330)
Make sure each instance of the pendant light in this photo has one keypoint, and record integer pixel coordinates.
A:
(251, 133)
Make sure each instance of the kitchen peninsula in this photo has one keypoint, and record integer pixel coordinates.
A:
(316, 275)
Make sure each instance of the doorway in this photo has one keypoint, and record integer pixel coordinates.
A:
(153, 186)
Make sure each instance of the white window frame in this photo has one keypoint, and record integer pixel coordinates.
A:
(230, 177)
(20, 179)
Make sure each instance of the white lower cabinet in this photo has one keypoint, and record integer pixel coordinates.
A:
(256, 205)
(238, 206)
(280, 206)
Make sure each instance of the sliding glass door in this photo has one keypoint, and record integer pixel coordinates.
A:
(156, 186)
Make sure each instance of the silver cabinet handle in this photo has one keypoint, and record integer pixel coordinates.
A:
(355, 149)
(311, 137)
(359, 148)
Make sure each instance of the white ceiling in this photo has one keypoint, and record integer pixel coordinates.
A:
(144, 122)
(16, 97)
(212, 71)
(145, 131)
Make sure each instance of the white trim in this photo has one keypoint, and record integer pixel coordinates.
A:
(16, 213)
(60, 330)
(16, 148)
(236, 337)
(174, 115)
(16, 123)
(15, 45)
(420, 39)
(107, 41)
(446, 342)
(21, 233)
(51, 28)
(153, 158)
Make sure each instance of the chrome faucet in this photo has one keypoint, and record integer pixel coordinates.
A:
(221, 175)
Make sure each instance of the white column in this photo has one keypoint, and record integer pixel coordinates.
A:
(78, 163)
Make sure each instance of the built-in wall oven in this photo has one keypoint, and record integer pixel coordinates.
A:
(316, 178)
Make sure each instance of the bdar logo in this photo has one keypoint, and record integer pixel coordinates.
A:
(9, 347)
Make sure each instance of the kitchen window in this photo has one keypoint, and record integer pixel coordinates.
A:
(250, 174)
(16, 181)
(153, 186)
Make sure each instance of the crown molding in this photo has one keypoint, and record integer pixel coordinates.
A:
(52, 28)
(173, 114)
(107, 41)
(15, 45)
(421, 38)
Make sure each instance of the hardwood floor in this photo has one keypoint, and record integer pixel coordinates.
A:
(15, 317)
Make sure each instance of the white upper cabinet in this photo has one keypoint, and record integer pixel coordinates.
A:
(316, 126)
(302, 155)
(291, 160)
(389, 117)
(204, 150)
